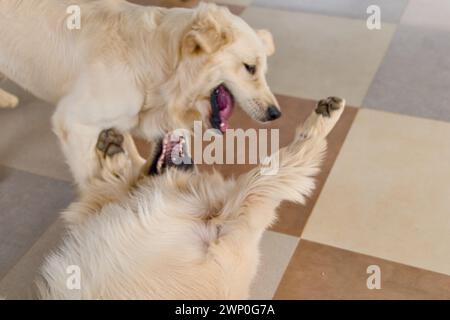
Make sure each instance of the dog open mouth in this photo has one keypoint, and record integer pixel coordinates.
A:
(222, 105)
(171, 151)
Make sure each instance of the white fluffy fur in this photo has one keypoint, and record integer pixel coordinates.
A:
(134, 68)
(179, 235)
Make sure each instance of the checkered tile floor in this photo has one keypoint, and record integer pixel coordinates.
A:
(383, 194)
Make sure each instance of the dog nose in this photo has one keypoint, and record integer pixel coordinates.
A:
(273, 113)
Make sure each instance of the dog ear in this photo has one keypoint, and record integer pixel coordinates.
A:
(206, 35)
(267, 39)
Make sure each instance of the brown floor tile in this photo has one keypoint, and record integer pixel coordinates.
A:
(143, 147)
(318, 271)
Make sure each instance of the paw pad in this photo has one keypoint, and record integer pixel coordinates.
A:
(326, 106)
(110, 142)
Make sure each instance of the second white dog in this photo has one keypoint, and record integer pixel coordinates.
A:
(178, 234)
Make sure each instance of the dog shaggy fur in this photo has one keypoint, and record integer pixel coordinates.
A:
(180, 234)
(146, 70)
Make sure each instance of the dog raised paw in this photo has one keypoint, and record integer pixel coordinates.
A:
(110, 142)
(326, 107)
(322, 119)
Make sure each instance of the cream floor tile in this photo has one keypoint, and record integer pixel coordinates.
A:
(388, 193)
(319, 56)
(422, 13)
(276, 251)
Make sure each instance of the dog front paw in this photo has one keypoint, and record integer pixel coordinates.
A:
(110, 142)
(326, 107)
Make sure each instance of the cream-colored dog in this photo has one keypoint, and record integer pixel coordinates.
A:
(177, 234)
(144, 69)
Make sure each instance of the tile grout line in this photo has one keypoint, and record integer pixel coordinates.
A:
(379, 66)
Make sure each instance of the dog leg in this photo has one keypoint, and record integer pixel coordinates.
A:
(114, 151)
(259, 192)
(115, 141)
(78, 139)
(114, 179)
(7, 100)
(78, 145)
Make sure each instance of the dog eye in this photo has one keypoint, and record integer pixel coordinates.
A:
(250, 68)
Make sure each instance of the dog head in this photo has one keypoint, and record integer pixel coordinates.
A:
(223, 61)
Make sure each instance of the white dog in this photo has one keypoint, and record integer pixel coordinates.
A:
(178, 234)
(144, 69)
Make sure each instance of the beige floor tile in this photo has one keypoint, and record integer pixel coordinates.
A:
(318, 271)
(320, 56)
(421, 13)
(276, 251)
(388, 192)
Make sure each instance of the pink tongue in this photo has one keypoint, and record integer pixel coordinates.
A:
(226, 106)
